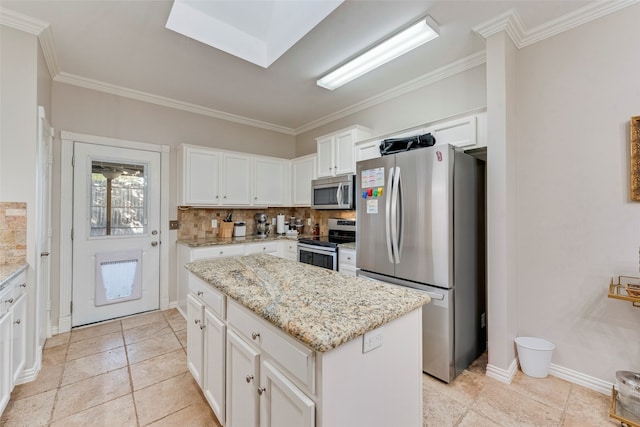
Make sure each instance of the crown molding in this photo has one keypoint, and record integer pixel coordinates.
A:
(49, 52)
(442, 73)
(138, 95)
(22, 22)
(511, 23)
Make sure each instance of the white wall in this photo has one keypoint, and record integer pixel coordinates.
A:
(448, 97)
(577, 227)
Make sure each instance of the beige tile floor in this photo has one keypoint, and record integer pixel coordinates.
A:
(133, 372)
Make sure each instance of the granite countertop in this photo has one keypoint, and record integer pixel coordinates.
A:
(320, 307)
(213, 241)
(9, 271)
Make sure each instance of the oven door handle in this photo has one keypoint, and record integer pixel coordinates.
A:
(316, 249)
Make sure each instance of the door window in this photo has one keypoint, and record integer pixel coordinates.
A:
(118, 202)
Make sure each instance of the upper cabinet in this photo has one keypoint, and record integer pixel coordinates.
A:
(208, 177)
(336, 151)
(199, 176)
(303, 171)
(459, 133)
(270, 181)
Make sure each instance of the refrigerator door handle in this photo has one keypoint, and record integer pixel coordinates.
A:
(387, 223)
(394, 216)
(400, 214)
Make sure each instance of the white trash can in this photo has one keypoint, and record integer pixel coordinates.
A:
(534, 355)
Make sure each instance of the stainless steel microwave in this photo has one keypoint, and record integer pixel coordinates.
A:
(337, 192)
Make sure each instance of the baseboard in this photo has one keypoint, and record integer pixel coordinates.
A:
(502, 375)
(180, 311)
(64, 324)
(579, 378)
(173, 304)
(164, 304)
(28, 375)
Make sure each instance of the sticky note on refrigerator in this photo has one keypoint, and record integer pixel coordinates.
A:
(372, 206)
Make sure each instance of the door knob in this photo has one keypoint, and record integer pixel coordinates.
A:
(154, 243)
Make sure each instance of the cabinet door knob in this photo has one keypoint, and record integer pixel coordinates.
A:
(224, 197)
(23, 285)
(10, 301)
(200, 293)
(261, 390)
(217, 197)
(17, 322)
(196, 321)
(221, 252)
(255, 198)
(202, 327)
(255, 335)
(249, 378)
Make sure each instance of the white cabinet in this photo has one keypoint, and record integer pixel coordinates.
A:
(271, 247)
(283, 404)
(215, 335)
(200, 177)
(459, 133)
(347, 261)
(19, 336)
(243, 375)
(13, 335)
(206, 342)
(303, 171)
(236, 179)
(195, 337)
(6, 376)
(335, 151)
(270, 183)
(368, 150)
(290, 249)
(209, 177)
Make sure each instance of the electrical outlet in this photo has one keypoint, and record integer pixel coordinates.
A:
(214, 223)
(173, 224)
(308, 221)
(372, 340)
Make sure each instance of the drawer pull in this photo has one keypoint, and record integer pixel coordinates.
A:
(221, 252)
(23, 285)
(255, 335)
(249, 378)
(200, 293)
(261, 390)
(10, 301)
(17, 322)
(202, 327)
(348, 258)
(196, 321)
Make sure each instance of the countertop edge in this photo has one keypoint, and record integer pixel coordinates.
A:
(9, 271)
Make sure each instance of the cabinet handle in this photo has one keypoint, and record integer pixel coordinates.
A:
(23, 285)
(249, 378)
(261, 390)
(199, 293)
(255, 335)
(348, 258)
(224, 197)
(202, 327)
(221, 252)
(10, 301)
(17, 322)
(255, 198)
(217, 197)
(196, 321)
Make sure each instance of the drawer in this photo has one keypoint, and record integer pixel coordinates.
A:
(290, 354)
(218, 251)
(291, 248)
(210, 296)
(347, 257)
(262, 248)
(6, 295)
(19, 285)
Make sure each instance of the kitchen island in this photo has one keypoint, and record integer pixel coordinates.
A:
(278, 342)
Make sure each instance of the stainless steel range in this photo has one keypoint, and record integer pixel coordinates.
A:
(322, 251)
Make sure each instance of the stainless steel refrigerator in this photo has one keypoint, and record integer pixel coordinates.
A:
(420, 223)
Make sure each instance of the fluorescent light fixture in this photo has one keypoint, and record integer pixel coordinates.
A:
(416, 35)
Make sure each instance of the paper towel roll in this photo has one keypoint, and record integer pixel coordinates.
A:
(280, 224)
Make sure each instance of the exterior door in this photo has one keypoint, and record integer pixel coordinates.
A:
(116, 223)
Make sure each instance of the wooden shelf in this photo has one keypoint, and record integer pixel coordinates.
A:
(618, 290)
(617, 412)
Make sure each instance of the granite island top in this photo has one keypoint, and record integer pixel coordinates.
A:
(213, 241)
(320, 307)
(9, 271)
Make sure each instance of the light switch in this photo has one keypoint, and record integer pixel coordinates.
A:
(214, 223)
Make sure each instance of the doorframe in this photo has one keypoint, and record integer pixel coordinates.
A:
(66, 216)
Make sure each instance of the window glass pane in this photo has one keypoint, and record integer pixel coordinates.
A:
(118, 199)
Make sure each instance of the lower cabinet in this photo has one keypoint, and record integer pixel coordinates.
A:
(19, 335)
(283, 404)
(195, 337)
(5, 360)
(243, 377)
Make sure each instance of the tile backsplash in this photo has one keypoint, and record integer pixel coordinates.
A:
(195, 223)
(13, 232)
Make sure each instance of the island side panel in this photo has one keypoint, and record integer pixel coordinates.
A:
(382, 387)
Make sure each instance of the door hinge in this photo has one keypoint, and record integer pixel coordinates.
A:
(72, 234)
(71, 307)
(73, 161)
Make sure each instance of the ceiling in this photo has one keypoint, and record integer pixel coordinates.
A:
(124, 47)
